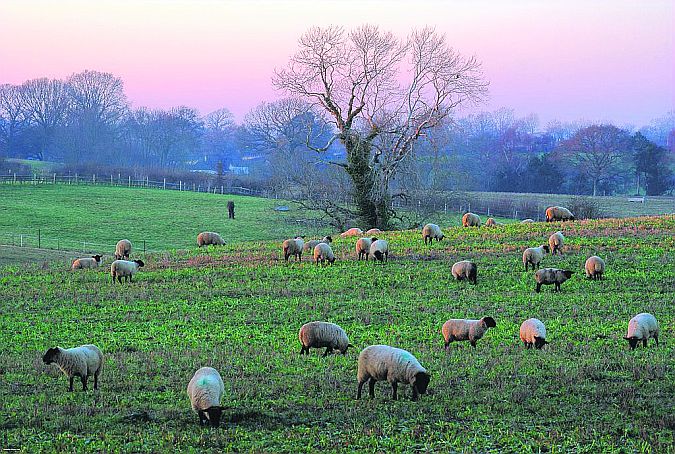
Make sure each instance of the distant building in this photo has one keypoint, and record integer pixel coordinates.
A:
(238, 170)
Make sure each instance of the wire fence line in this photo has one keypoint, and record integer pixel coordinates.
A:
(37, 239)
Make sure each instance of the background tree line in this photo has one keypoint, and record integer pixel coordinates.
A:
(87, 119)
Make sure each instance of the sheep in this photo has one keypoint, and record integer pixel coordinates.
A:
(311, 244)
(533, 332)
(465, 269)
(641, 328)
(354, 231)
(125, 269)
(230, 209)
(556, 242)
(557, 213)
(87, 262)
(323, 334)
(534, 255)
(594, 267)
(432, 232)
(363, 247)
(492, 223)
(527, 221)
(206, 390)
(323, 253)
(379, 249)
(372, 232)
(293, 247)
(83, 362)
(463, 329)
(471, 220)
(206, 238)
(548, 276)
(122, 249)
(382, 362)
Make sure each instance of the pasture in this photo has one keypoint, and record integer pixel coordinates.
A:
(238, 308)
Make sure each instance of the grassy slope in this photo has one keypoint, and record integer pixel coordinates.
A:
(238, 308)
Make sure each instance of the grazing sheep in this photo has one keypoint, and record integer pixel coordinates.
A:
(594, 267)
(122, 249)
(206, 390)
(465, 270)
(380, 250)
(293, 247)
(527, 221)
(323, 334)
(382, 362)
(311, 244)
(463, 330)
(372, 232)
(432, 232)
(83, 362)
(363, 247)
(492, 223)
(87, 262)
(641, 328)
(124, 269)
(533, 332)
(323, 253)
(534, 255)
(206, 238)
(556, 242)
(557, 213)
(354, 231)
(230, 209)
(471, 220)
(548, 276)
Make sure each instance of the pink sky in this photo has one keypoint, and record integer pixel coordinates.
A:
(600, 60)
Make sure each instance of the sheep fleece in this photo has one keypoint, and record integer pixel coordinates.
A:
(323, 334)
(82, 361)
(205, 389)
(383, 362)
(532, 328)
(464, 329)
(86, 262)
(643, 326)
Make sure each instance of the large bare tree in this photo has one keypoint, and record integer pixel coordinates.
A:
(13, 113)
(45, 102)
(381, 93)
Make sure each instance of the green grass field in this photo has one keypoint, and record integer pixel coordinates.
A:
(238, 308)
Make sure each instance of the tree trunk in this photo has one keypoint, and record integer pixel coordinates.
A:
(372, 203)
(595, 186)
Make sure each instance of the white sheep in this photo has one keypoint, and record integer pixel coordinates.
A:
(594, 267)
(556, 242)
(83, 362)
(372, 232)
(87, 262)
(122, 249)
(465, 270)
(323, 253)
(533, 332)
(379, 249)
(471, 220)
(293, 247)
(382, 362)
(641, 328)
(125, 269)
(323, 334)
(206, 390)
(363, 247)
(557, 213)
(207, 238)
(549, 276)
(491, 222)
(311, 244)
(432, 232)
(464, 329)
(527, 221)
(534, 256)
(354, 231)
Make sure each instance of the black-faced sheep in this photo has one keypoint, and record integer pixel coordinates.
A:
(323, 334)
(431, 232)
(125, 269)
(533, 332)
(464, 329)
(642, 327)
(122, 249)
(206, 390)
(534, 255)
(465, 270)
(379, 249)
(87, 262)
(556, 242)
(557, 213)
(311, 244)
(471, 220)
(549, 276)
(323, 253)
(293, 247)
(594, 267)
(363, 247)
(382, 362)
(83, 362)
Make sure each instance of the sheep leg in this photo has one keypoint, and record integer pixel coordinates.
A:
(371, 388)
(538, 289)
(328, 350)
(447, 345)
(119, 279)
(84, 382)
(473, 343)
(96, 380)
(72, 378)
(644, 343)
(557, 286)
(202, 418)
(394, 389)
(416, 393)
(656, 338)
(526, 266)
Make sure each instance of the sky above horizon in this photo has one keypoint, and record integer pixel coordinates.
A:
(605, 60)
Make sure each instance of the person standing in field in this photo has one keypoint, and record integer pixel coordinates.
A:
(230, 209)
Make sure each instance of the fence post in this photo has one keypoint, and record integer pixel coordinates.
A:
(54, 178)
(111, 181)
(20, 240)
(14, 177)
(193, 186)
(164, 183)
(75, 178)
(180, 185)
(39, 242)
(221, 190)
(129, 180)
(147, 181)
(488, 211)
(93, 178)
(143, 247)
